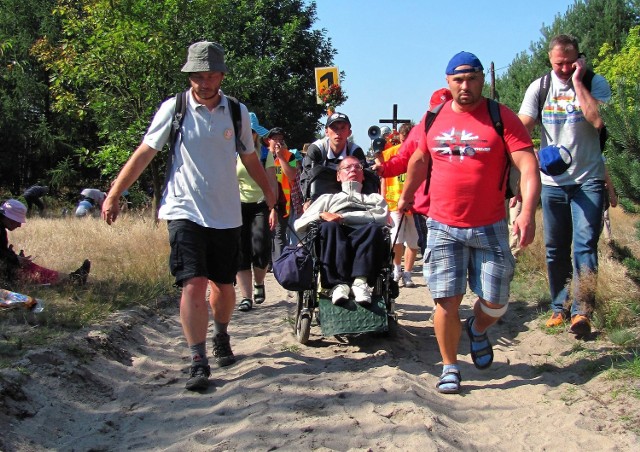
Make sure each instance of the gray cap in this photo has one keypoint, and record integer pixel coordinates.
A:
(205, 56)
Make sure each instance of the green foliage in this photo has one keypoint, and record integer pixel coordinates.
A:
(63, 174)
(623, 66)
(593, 22)
(622, 117)
(118, 60)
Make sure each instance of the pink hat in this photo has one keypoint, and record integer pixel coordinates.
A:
(15, 210)
(439, 96)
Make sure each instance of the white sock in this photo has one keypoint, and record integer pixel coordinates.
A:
(398, 268)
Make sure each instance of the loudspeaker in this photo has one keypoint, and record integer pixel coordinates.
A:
(374, 132)
(378, 145)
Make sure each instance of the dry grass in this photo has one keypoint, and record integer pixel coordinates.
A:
(617, 286)
(129, 266)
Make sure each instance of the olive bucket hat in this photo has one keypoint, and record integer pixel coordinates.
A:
(205, 56)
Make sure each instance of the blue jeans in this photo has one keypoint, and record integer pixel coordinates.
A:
(572, 214)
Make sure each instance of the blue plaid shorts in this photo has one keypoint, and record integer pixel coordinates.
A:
(480, 254)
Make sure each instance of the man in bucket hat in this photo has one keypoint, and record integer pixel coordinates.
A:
(573, 187)
(201, 202)
(468, 235)
(13, 214)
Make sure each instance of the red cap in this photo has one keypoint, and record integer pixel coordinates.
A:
(439, 96)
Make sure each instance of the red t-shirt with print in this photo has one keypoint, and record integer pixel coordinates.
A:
(469, 162)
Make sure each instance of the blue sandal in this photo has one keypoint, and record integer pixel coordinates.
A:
(449, 382)
(480, 346)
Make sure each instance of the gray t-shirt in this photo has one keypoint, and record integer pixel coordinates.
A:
(563, 123)
(203, 186)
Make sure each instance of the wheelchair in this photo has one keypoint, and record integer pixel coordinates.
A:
(349, 318)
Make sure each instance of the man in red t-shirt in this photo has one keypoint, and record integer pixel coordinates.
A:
(468, 233)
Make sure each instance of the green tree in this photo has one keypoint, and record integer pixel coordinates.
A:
(30, 140)
(592, 22)
(622, 117)
(622, 66)
(118, 60)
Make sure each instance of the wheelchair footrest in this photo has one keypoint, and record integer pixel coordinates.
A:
(352, 318)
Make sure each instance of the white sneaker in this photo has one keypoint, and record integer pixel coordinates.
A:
(406, 280)
(340, 294)
(361, 292)
(397, 275)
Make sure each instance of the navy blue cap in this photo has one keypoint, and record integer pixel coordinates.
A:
(464, 59)
(337, 117)
(554, 160)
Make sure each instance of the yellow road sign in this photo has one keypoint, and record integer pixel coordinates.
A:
(325, 77)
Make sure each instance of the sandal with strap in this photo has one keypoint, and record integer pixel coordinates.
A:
(449, 382)
(258, 293)
(478, 350)
(245, 305)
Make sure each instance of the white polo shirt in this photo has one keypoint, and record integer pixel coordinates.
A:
(203, 186)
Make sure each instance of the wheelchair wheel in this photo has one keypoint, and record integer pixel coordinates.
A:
(303, 328)
(306, 305)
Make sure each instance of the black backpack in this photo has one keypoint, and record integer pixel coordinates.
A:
(178, 117)
(511, 175)
(545, 85)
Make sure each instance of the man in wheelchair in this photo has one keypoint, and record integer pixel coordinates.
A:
(351, 246)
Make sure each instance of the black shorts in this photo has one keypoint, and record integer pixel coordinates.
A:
(198, 251)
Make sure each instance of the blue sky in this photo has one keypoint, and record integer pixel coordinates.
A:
(396, 52)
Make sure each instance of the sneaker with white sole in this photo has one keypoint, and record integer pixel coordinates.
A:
(361, 292)
(397, 275)
(406, 280)
(340, 294)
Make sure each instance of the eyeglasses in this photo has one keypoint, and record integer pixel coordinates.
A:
(354, 167)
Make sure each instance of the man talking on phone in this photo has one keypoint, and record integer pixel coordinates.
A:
(572, 201)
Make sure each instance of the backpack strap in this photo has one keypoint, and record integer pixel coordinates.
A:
(498, 125)
(545, 85)
(428, 122)
(176, 124)
(431, 116)
(236, 118)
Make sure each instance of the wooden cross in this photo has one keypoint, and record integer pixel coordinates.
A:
(395, 121)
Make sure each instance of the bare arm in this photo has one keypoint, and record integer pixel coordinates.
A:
(256, 171)
(530, 186)
(130, 172)
(588, 103)
(288, 170)
(273, 183)
(528, 122)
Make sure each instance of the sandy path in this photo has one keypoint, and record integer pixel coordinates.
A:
(121, 387)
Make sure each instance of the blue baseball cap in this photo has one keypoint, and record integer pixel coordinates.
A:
(464, 59)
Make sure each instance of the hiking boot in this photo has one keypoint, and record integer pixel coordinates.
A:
(557, 319)
(199, 377)
(407, 281)
(222, 350)
(79, 276)
(361, 292)
(580, 325)
(340, 294)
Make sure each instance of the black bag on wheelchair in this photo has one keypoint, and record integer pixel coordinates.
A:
(294, 268)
